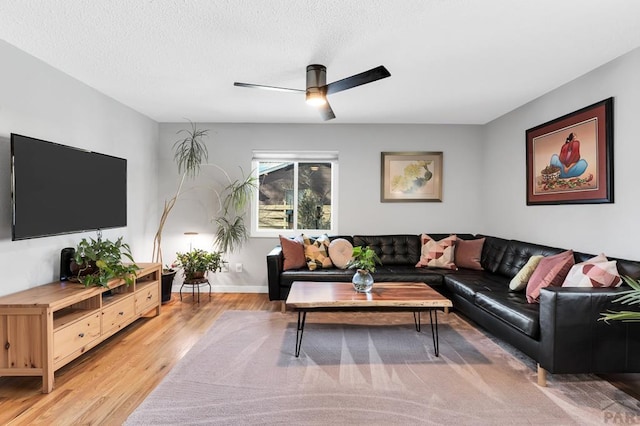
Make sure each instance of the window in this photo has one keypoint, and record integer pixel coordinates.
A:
(296, 192)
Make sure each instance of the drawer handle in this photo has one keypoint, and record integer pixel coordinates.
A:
(120, 313)
(81, 335)
(149, 297)
(7, 346)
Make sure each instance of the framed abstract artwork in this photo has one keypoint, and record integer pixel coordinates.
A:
(570, 159)
(411, 177)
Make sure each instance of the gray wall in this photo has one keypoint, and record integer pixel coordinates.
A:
(40, 101)
(608, 228)
(484, 171)
(359, 207)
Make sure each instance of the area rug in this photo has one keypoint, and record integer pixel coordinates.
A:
(357, 368)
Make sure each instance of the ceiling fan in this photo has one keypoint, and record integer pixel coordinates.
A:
(318, 89)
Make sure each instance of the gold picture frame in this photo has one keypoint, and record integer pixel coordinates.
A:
(411, 177)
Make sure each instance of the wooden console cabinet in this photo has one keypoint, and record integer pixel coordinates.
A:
(45, 327)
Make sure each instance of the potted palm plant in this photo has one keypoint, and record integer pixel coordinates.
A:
(190, 154)
(364, 260)
(629, 297)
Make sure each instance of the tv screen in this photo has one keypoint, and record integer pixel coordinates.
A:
(57, 189)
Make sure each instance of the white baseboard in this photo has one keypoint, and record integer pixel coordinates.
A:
(225, 289)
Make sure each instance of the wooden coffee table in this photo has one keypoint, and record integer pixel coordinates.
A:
(307, 296)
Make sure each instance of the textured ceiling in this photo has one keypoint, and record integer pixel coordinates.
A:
(451, 61)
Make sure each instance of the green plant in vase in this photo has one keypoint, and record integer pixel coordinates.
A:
(629, 297)
(196, 263)
(364, 260)
(99, 261)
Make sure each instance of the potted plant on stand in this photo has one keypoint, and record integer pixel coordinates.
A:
(364, 260)
(195, 264)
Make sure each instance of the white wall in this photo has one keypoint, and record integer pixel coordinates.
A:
(360, 210)
(40, 101)
(608, 228)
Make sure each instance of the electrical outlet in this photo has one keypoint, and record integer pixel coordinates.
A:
(238, 267)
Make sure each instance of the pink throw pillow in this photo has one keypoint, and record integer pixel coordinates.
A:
(468, 253)
(551, 271)
(293, 253)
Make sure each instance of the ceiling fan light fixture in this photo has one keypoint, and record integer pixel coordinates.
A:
(315, 97)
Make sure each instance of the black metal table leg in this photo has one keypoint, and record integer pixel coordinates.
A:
(434, 332)
(416, 320)
(302, 317)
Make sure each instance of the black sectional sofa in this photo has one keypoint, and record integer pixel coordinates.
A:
(561, 333)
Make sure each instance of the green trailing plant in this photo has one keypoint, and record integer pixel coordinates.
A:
(629, 297)
(364, 258)
(99, 261)
(196, 263)
(189, 154)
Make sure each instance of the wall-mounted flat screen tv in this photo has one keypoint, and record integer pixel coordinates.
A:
(57, 189)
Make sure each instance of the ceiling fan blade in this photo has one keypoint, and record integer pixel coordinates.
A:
(358, 79)
(326, 112)
(260, 86)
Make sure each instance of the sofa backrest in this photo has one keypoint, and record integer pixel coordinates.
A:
(400, 249)
(518, 253)
(492, 252)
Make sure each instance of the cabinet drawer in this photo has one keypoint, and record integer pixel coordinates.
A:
(75, 335)
(117, 314)
(146, 299)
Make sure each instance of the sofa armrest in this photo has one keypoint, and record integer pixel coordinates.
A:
(574, 340)
(275, 262)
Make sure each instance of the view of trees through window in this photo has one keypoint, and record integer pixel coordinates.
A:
(294, 195)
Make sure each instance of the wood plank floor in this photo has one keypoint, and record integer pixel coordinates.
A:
(107, 383)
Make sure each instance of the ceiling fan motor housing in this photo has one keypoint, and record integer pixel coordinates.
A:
(316, 82)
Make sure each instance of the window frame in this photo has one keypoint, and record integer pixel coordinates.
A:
(295, 157)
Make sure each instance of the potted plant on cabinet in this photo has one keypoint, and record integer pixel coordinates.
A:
(364, 260)
(196, 263)
(96, 262)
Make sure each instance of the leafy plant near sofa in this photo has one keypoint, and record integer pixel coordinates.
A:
(196, 263)
(99, 261)
(629, 297)
(364, 258)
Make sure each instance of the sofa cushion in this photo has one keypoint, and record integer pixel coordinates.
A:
(437, 253)
(466, 283)
(401, 249)
(519, 282)
(518, 254)
(292, 252)
(468, 253)
(551, 271)
(512, 308)
(340, 252)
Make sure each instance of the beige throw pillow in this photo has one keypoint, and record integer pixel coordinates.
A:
(519, 282)
(437, 254)
(340, 252)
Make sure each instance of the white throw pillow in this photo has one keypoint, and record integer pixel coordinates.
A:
(340, 252)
